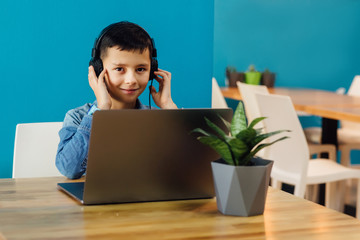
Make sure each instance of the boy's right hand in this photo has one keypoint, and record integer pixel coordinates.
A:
(99, 87)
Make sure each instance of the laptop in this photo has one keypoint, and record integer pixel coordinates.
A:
(147, 155)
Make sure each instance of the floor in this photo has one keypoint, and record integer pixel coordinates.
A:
(350, 198)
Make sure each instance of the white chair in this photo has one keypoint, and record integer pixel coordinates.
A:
(348, 134)
(35, 150)
(291, 156)
(248, 92)
(217, 99)
(252, 111)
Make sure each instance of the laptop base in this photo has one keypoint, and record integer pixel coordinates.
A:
(74, 189)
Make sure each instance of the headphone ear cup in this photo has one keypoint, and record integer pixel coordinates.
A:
(154, 67)
(97, 64)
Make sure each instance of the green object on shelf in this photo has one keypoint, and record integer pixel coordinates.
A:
(252, 76)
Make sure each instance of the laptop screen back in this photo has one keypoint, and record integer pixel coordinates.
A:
(149, 155)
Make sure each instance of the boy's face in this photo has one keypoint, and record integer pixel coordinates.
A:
(128, 75)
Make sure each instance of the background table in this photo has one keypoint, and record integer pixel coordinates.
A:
(35, 209)
(328, 105)
(348, 113)
(304, 98)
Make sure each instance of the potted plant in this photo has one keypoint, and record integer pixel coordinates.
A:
(233, 76)
(240, 179)
(252, 76)
(268, 78)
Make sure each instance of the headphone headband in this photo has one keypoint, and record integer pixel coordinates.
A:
(95, 52)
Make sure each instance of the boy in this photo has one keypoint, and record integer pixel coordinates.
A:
(123, 61)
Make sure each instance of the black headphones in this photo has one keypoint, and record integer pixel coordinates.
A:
(96, 61)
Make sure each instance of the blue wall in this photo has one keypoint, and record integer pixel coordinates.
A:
(308, 43)
(45, 48)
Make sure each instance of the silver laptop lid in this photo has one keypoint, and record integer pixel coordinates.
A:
(149, 155)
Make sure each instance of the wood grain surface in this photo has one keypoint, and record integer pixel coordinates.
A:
(35, 209)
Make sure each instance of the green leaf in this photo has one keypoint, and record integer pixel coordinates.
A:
(227, 124)
(247, 135)
(262, 137)
(243, 143)
(199, 130)
(239, 149)
(216, 128)
(238, 122)
(256, 121)
(261, 146)
(206, 134)
(219, 146)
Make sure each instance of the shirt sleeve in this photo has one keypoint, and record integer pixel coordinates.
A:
(71, 157)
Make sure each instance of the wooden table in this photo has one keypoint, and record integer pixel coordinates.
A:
(345, 112)
(328, 105)
(35, 209)
(312, 101)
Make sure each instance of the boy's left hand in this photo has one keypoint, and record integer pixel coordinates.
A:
(162, 98)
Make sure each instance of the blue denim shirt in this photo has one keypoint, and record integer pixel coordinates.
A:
(72, 153)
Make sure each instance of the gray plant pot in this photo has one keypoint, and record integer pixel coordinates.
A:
(241, 190)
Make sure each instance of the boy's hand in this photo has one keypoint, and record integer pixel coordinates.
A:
(162, 98)
(99, 87)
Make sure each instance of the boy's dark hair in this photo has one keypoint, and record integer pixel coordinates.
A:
(128, 36)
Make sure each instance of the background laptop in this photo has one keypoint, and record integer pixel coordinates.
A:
(147, 155)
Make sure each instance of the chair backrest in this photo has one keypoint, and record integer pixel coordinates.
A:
(248, 92)
(354, 90)
(290, 155)
(35, 150)
(217, 99)
(252, 111)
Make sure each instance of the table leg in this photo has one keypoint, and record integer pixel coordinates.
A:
(328, 136)
(329, 132)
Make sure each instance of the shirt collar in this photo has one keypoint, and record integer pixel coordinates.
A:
(138, 105)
